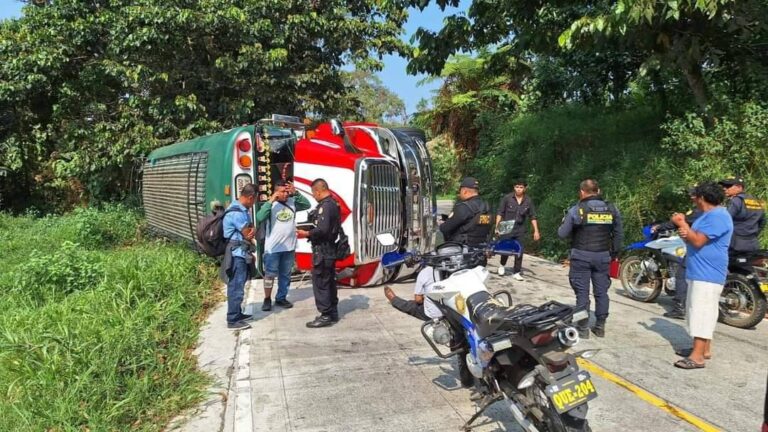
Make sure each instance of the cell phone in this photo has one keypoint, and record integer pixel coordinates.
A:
(306, 226)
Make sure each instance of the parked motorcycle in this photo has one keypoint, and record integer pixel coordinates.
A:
(518, 354)
(650, 266)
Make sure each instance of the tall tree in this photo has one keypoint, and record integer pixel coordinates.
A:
(368, 99)
(87, 86)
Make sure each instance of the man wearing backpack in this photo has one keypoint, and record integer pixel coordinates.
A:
(327, 226)
(279, 213)
(238, 259)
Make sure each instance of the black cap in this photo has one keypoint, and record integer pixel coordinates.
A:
(732, 181)
(470, 182)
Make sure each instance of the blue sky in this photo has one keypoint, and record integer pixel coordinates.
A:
(393, 75)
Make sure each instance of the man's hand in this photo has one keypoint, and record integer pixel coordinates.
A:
(654, 228)
(536, 235)
(249, 233)
(290, 188)
(679, 220)
(683, 232)
(302, 233)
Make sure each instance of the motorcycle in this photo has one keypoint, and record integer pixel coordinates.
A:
(517, 354)
(651, 264)
(743, 302)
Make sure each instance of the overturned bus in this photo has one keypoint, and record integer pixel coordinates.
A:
(381, 177)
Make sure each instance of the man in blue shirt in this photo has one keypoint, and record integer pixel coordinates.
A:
(238, 259)
(706, 269)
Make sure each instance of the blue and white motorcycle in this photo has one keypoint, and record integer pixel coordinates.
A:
(650, 265)
(517, 354)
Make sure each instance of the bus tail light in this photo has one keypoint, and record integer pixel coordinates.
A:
(244, 145)
(245, 161)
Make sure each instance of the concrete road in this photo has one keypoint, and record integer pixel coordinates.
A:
(373, 372)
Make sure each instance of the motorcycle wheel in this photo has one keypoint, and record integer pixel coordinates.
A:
(552, 422)
(634, 280)
(742, 304)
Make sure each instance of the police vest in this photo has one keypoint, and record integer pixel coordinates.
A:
(475, 231)
(594, 228)
(746, 222)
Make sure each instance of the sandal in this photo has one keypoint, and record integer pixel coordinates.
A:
(685, 352)
(687, 363)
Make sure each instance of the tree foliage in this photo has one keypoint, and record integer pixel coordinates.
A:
(368, 99)
(86, 87)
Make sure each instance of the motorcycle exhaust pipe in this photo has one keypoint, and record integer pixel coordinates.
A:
(568, 336)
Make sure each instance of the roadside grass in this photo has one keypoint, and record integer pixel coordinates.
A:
(98, 325)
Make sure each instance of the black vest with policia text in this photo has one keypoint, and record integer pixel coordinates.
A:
(594, 225)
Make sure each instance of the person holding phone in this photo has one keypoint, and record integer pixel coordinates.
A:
(279, 214)
(238, 259)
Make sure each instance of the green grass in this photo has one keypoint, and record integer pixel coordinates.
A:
(97, 324)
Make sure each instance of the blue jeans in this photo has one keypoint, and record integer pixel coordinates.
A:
(236, 289)
(279, 265)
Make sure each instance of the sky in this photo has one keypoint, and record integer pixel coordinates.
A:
(393, 75)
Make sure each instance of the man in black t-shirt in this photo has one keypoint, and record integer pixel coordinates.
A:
(517, 207)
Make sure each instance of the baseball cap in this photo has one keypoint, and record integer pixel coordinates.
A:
(470, 182)
(732, 181)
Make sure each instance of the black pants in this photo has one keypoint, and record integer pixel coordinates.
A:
(324, 285)
(518, 258)
(410, 307)
(594, 270)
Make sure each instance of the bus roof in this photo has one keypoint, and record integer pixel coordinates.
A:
(198, 144)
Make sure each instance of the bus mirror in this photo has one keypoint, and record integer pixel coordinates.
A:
(337, 128)
(386, 239)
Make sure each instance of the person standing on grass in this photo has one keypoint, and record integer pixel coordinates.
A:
(279, 213)
(517, 207)
(238, 259)
(706, 269)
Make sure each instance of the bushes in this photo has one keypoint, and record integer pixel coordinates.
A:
(96, 337)
(642, 162)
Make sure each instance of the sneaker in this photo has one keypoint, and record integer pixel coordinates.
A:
(501, 271)
(285, 304)
(267, 305)
(238, 325)
(518, 277)
(244, 317)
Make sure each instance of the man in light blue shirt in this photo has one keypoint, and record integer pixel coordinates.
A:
(279, 214)
(706, 270)
(238, 260)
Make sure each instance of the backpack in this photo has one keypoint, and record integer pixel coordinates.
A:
(342, 245)
(210, 233)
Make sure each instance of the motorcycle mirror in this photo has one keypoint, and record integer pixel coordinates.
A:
(337, 128)
(507, 247)
(386, 239)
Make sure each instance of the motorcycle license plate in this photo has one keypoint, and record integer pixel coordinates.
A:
(764, 287)
(571, 392)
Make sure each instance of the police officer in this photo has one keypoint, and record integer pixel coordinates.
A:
(747, 213)
(681, 284)
(470, 221)
(594, 226)
(327, 224)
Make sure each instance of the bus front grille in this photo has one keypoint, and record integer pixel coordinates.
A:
(379, 208)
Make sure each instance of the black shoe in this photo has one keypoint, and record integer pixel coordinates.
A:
(599, 329)
(285, 304)
(583, 333)
(465, 376)
(267, 305)
(675, 314)
(238, 325)
(321, 321)
(335, 318)
(244, 317)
